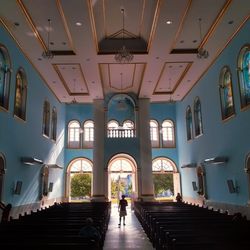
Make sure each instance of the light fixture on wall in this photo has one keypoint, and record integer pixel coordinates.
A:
(31, 161)
(216, 160)
(202, 53)
(123, 55)
(190, 165)
(47, 53)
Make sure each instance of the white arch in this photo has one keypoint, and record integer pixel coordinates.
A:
(85, 168)
(123, 163)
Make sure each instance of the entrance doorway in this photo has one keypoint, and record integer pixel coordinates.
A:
(122, 178)
(166, 178)
(79, 180)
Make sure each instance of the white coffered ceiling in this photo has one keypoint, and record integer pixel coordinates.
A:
(86, 34)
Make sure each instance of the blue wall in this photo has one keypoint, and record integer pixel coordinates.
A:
(229, 138)
(20, 138)
(161, 112)
(81, 113)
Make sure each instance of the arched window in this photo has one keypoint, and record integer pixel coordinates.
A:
(189, 123)
(21, 94)
(168, 134)
(154, 133)
(74, 134)
(197, 117)
(244, 75)
(54, 124)
(128, 127)
(46, 118)
(226, 93)
(88, 134)
(112, 129)
(4, 77)
(162, 165)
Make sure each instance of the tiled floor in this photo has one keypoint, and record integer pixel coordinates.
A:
(130, 236)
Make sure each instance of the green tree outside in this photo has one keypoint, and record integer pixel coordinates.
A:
(163, 182)
(80, 185)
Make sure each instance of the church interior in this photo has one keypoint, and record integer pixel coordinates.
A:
(145, 98)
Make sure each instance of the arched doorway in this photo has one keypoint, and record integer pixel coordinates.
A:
(166, 178)
(122, 177)
(79, 180)
(2, 173)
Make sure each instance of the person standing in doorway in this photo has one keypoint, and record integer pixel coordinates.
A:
(122, 210)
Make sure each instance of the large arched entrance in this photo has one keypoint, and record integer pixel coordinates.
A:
(122, 177)
(166, 178)
(79, 180)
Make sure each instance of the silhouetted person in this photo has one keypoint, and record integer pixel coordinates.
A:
(178, 197)
(90, 232)
(122, 210)
(6, 212)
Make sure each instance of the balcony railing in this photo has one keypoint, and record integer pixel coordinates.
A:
(121, 133)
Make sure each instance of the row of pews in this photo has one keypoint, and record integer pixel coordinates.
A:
(181, 226)
(56, 227)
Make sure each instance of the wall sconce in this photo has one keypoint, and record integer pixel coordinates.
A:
(232, 186)
(190, 165)
(31, 161)
(215, 160)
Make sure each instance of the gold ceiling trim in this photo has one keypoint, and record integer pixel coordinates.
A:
(215, 23)
(181, 24)
(56, 68)
(177, 83)
(217, 55)
(65, 24)
(142, 17)
(92, 22)
(153, 28)
(140, 82)
(27, 57)
(32, 24)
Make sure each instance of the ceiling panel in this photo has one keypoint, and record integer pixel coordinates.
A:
(72, 77)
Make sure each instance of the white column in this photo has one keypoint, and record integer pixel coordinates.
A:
(146, 176)
(98, 155)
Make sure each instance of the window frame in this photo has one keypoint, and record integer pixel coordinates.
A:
(4, 99)
(168, 143)
(198, 125)
(189, 123)
(76, 144)
(154, 131)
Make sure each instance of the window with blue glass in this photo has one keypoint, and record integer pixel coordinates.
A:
(226, 93)
(4, 77)
(54, 124)
(189, 123)
(20, 95)
(244, 75)
(46, 118)
(198, 128)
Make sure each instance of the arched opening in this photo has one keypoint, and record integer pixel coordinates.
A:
(79, 180)
(166, 178)
(122, 177)
(2, 173)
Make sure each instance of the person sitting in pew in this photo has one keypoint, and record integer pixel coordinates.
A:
(178, 197)
(6, 212)
(90, 232)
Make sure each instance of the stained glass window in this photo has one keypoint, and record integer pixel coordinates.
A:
(244, 75)
(197, 117)
(46, 118)
(54, 124)
(4, 77)
(163, 165)
(226, 93)
(20, 96)
(189, 123)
